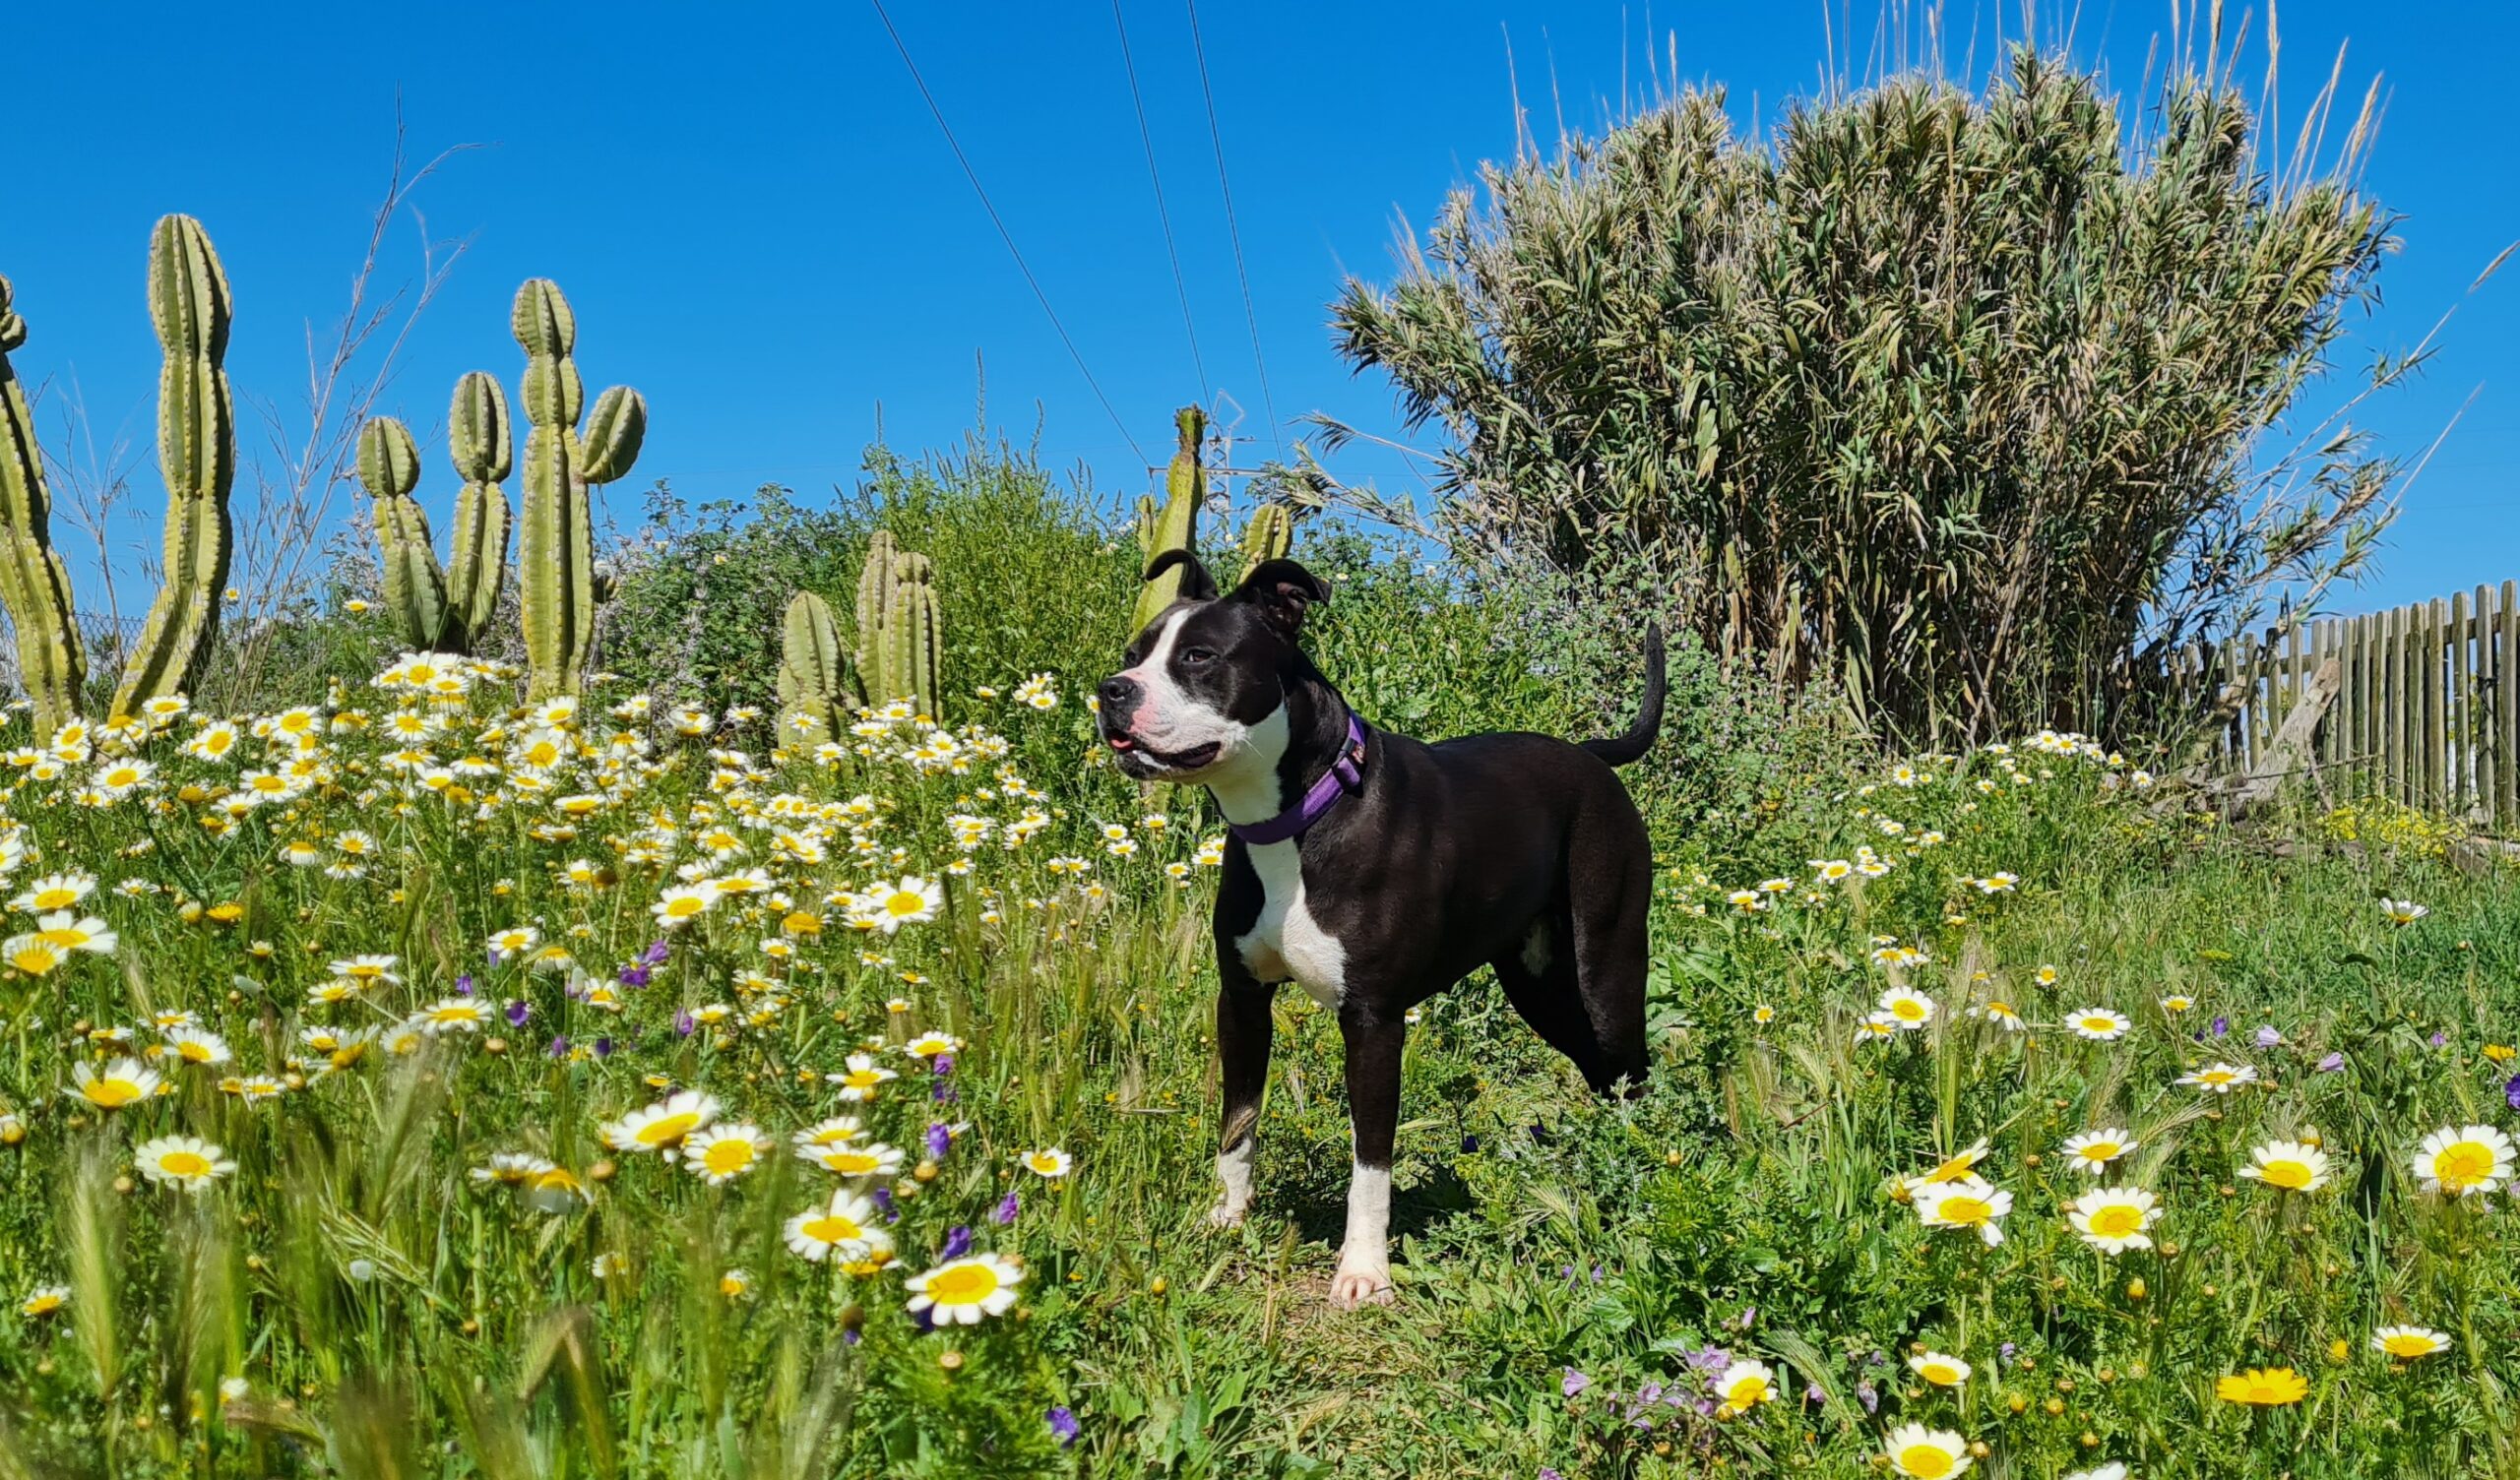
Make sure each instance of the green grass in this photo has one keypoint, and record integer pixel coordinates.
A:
(351, 1300)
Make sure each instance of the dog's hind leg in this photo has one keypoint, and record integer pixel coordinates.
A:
(1539, 979)
(1610, 896)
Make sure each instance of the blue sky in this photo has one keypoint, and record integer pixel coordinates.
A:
(761, 226)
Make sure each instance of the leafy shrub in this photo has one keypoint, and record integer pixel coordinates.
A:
(1950, 403)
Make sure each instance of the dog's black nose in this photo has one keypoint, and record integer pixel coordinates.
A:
(1117, 693)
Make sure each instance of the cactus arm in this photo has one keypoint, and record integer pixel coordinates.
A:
(477, 439)
(925, 641)
(810, 673)
(875, 589)
(388, 464)
(556, 562)
(52, 663)
(1176, 524)
(190, 307)
(1270, 535)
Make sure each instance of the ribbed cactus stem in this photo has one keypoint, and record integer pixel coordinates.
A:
(388, 464)
(923, 633)
(190, 308)
(51, 661)
(478, 441)
(812, 678)
(1271, 535)
(1176, 524)
(875, 589)
(557, 563)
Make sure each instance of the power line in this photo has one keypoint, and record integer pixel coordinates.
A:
(1181, 284)
(1008, 236)
(1267, 400)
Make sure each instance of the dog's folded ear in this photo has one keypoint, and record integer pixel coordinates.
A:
(1283, 592)
(1196, 583)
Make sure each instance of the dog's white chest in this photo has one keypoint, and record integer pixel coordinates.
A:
(1286, 941)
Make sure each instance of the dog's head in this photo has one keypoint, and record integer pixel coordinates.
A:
(1206, 684)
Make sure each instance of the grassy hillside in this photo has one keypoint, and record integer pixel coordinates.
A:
(497, 1032)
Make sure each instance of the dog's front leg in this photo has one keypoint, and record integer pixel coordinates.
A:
(1373, 1047)
(1243, 1030)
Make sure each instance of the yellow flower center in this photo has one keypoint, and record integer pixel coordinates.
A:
(1046, 1165)
(852, 1163)
(1965, 1210)
(685, 908)
(2286, 1172)
(2118, 1220)
(461, 1011)
(832, 1228)
(732, 1154)
(112, 1093)
(2101, 1150)
(1939, 1375)
(2408, 1347)
(665, 1130)
(962, 1284)
(2099, 1025)
(1746, 1391)
(1908, 1009)
(1927, 1461)
(186, 1164)
(193, 1053)
(904, 903)
(36, 961)
(863, 1078)
(2215, 1077)
(2463, 1164)
(56, 899)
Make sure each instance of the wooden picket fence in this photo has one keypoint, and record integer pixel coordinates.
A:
(2427, 710)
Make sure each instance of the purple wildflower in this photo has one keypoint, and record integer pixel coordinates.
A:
(1469, 1145)
(851, 1338)
(1865, 1395)
(1063, 1427)
(1007, 1209)
(939, 1139)
(2511, 1093)
(2331, 1064)
(656, 953)
(1573, 1383)
(958, 1242)
(632, 976)
(560, 1046)
(2006, 1350)
(2222, 1025)
(2440, 1038)
(942, 1065)
(604, 1048)
(883, 1199)
(1546, 1473)
(684, 1023)
(518, 1011)
(2268, 1038)
(464, 985)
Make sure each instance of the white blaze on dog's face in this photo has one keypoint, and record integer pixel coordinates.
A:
(1203, 698)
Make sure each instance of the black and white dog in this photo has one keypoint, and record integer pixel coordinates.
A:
(1376, 871)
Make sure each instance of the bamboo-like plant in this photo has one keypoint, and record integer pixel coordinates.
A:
(1950, 401)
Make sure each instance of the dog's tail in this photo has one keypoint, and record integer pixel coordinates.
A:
(1621, 749)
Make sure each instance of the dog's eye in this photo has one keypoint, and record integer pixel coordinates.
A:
(1194, 657)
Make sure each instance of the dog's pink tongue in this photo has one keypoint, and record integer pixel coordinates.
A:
(1122, 742)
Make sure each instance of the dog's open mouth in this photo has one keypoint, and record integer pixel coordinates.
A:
(1136, 753)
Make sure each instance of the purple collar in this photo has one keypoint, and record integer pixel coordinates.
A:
(1346, 775)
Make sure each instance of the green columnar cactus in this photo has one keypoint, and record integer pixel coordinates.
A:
(389, 464)
(477, 439)
(51, 663)
(1176, 525)
(448, 610)
(1270, 535)
(899, 637)
(190, 308)
(556, 565)
(813, 699)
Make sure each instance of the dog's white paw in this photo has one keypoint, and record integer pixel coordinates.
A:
(1225, 1214)
(1360, 1283)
